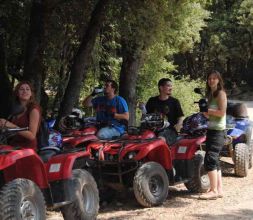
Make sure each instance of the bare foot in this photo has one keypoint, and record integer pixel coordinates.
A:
(209, 195)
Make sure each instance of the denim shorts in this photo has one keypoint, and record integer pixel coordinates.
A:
(108, 133)
(214, 143)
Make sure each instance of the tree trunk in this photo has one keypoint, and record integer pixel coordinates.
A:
(34, 67)
(5, 84)
(63, 80)
(82, 58)
(128, 78)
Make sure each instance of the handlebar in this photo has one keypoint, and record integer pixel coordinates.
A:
(5, 133)
(14, 129)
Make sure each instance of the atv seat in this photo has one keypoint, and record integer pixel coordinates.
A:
(45, 155)
(237, 110)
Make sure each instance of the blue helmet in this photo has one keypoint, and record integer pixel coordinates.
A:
(195, 124)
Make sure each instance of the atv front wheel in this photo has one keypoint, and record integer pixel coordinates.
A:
(151, 184)
(86, 203)
(199, 182)
(22, 199)
(241, 159)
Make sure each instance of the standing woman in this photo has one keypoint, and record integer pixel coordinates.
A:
(217, 105)
(30, 117)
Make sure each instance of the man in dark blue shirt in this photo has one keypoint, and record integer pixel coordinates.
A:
(111, 111)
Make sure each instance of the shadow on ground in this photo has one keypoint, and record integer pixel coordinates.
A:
(125, 201)
(238, 214)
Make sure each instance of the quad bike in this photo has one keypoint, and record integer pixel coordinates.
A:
(77, 131)
(27, 183)
(238, 142)
(148, 164)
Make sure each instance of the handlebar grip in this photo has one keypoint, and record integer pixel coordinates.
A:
(17, 129)
(196, 102)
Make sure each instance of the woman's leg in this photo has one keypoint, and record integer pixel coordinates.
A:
(213, 191)
(219, 183)
(213, 177)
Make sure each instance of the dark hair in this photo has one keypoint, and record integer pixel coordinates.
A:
(220, 86)
(114, 85)
(163, 81)
(32, 100)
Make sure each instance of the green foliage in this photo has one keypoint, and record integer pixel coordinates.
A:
(183, 89)
(142, 23)
(215, 33)
(245, 15)
(185, 20)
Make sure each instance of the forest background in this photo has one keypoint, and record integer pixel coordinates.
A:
(67, 47)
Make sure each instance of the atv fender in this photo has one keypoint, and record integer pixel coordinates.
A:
(156, 151)
(235, 132)
(185, 149)
(23, 163)
(60, 167)
(72, 142)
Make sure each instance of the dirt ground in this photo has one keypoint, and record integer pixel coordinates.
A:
(237, 202)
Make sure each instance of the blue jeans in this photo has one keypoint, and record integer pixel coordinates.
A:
(108, 133)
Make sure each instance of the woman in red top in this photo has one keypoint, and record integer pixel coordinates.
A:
(30, 117)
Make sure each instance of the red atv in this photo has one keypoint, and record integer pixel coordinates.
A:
(77, 132)
(149, 165)
(27, 183)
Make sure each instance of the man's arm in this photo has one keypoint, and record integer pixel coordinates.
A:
(122, 109)
(149, 106)
(180, 117)
(87, 101)
(120, 116)
(179, 123)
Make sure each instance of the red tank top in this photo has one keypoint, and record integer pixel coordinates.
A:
(23, 121)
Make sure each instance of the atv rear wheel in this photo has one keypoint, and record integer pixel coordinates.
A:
(86, 203)
(199, 183)
(22, 199)
(250, 156)
(151, 184)
(249, 143)
(241, 159)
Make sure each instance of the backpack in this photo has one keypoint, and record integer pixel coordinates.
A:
(43, 135)
(48, 139)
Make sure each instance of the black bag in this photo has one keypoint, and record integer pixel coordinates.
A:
(43, 135)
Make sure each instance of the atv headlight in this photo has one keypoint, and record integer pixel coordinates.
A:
(96, 154)
(131, 155)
